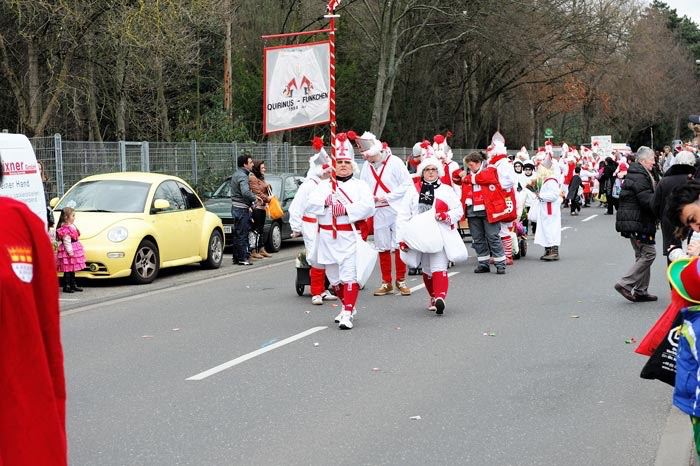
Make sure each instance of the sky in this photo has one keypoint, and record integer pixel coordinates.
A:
(689, 8)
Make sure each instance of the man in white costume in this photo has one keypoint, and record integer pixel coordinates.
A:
(388, 179)
(303, 223)
(336, 244)
(548, 211)
(429, 214)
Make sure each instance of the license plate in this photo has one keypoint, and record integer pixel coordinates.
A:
(227, 229)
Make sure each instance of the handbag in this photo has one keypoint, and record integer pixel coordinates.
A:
(274, 208)
(365, 258)
(662, 364)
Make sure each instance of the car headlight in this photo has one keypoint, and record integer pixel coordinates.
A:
(117, 234)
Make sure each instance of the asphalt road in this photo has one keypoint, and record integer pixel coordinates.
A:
(542, 387)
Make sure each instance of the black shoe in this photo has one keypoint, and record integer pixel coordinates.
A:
(76, 288)
(501, 269)
(626, 293)
(646, 297)
(482, 268)
(67, 290)
(244, 263)
(607, 213)
(439, 306)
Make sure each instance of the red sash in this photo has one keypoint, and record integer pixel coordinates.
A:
(378, 177)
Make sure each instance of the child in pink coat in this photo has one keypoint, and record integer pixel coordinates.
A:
(70, 256)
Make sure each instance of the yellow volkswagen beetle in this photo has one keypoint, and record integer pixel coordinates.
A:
(133, 224)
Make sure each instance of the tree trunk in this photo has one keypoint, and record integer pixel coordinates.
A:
(33, 84)
(162, 104)
(228, 70)
(120, 107)
(533, 127)
(94, 122)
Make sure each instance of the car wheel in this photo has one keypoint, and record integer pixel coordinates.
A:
(523, 247)
(146, 264)
(274, 239)
(215, 251)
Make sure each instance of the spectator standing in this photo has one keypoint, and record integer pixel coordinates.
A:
(607, 181)
(574, 197)
(33, 401)
(70, 257)
(242, 199)
(261, 189)
(636, 221)
(680, 173)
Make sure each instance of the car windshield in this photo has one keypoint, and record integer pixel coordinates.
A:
(107, 196)
(225, 188)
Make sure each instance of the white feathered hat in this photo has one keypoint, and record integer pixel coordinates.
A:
(368, 144)
(440, 148)
(430, 162)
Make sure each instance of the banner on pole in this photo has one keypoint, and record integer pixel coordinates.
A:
(297, 86)
(602, 145)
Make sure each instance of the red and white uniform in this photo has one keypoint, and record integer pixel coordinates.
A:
(388, 180)
(33, 401)
(352, 202)
(548, 214)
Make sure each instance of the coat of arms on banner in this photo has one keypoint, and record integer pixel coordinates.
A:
(297, 86)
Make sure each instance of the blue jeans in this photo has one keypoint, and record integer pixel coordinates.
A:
(241, 229)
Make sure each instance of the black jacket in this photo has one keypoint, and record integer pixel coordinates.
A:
(675, 176)
(635, 214)
(573, 187)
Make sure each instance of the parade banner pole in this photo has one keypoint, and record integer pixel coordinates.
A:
(332, 4)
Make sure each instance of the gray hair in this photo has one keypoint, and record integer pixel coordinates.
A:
(645, 153)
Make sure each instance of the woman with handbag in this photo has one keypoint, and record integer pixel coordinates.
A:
(262, 192)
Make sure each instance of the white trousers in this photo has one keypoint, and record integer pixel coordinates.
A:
(342, 273)
(434, 262)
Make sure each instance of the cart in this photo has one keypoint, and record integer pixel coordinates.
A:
(303, 278)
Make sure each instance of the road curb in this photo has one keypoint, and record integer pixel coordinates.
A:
(676, 446)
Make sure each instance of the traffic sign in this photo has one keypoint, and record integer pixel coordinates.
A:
(548, 133)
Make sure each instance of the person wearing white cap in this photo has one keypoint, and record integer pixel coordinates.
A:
(336, 245)
(388, 178)
(429, 238)
(450, 168)
(547, 212)
(304, 223)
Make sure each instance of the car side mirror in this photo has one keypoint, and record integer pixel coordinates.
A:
(53, 202)
(161, 204)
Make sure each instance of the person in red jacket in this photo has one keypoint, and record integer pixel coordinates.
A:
(485, 207)
(32, 405)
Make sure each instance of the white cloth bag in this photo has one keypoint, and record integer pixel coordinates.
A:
(422, 233)
(365, 258)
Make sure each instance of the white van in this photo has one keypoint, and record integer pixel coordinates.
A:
(21, 173)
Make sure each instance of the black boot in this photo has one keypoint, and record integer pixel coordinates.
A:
(547, 252)
(67, 282)
(73, 284)
(553, 254)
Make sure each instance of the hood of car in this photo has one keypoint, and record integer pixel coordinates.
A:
(91, 224)
(219, 206)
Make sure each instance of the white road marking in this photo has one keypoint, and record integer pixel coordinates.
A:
(169, 289)
(589, 218)
(422, 285)
(69, 299)
(565, 228)
(245, 357)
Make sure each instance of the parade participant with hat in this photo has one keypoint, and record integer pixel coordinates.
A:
(485, 207)
(388, 179)
(547, 211)
(303, 223)
(684, 275)
(451, 169)
(437, 204)
(336, 212)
